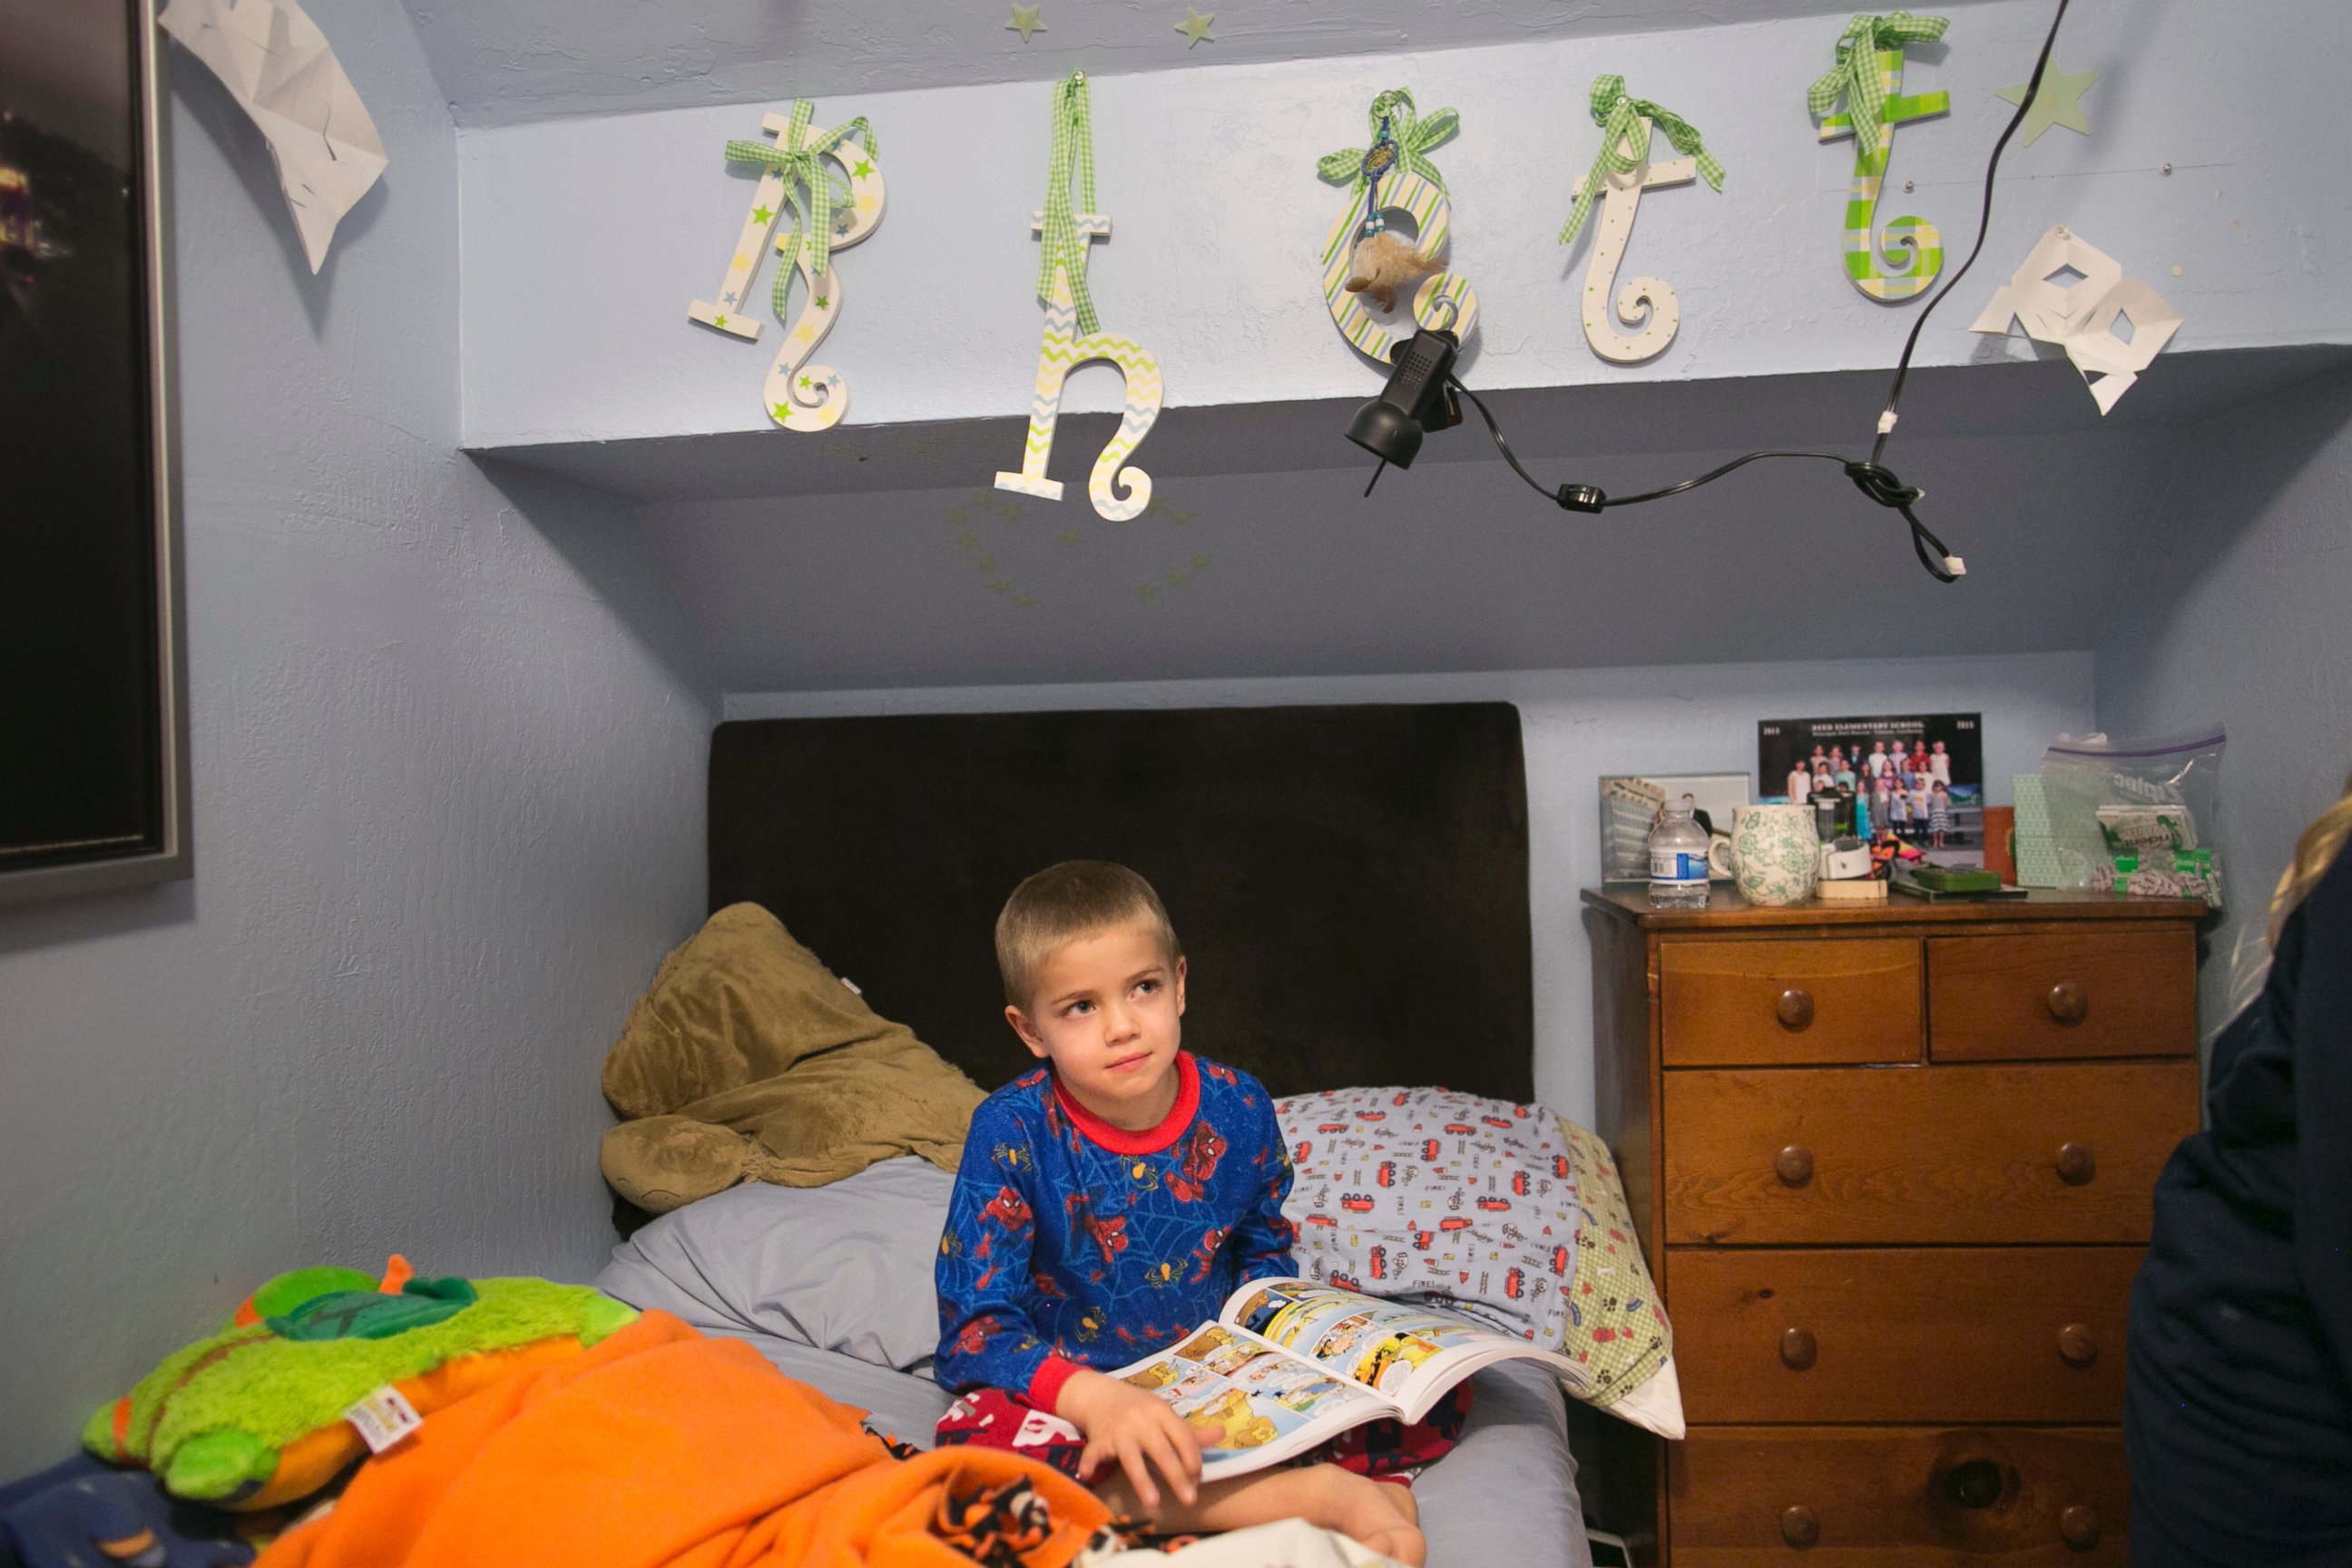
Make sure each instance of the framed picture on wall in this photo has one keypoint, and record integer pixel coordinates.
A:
(94, 727)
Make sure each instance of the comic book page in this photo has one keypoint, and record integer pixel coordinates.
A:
(1253, 1405)
(1407, 1353)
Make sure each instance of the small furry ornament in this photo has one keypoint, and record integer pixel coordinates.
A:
(1382, 264)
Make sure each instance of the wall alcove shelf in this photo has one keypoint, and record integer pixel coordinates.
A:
(780, 546)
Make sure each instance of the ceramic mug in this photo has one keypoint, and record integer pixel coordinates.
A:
(1773, 853)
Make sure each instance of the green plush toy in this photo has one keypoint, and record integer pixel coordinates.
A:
(256, 1416)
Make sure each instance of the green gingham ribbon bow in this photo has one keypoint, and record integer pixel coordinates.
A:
(802, 160)
(1398, 139)
(1073, 154)
(1855, 76)
(1620, 119)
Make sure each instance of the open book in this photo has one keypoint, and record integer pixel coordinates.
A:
(1288, 1364)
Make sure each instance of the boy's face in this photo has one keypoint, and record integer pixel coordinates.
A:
(1104, 1009)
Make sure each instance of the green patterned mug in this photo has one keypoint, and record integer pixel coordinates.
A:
(1773, 853)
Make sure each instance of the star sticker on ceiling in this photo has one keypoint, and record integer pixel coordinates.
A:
(1195, 28)
(2060, 102)
(1024, 22)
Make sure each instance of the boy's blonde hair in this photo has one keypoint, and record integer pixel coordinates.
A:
(1064, 902)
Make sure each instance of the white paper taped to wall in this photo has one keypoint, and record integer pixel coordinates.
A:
(277, 66)
(2080, 314)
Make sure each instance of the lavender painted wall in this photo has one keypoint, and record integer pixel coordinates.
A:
(1578, 725)
(449, 810)
(585, 237)
(2237, 616)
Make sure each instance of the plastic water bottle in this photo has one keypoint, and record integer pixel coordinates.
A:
(1679, 858)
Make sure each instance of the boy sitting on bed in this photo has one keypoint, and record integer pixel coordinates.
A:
(1107, 1204)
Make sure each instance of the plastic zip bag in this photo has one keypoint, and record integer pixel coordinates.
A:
(2141, 814)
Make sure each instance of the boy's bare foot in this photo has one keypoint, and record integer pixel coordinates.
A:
(1379, 1516)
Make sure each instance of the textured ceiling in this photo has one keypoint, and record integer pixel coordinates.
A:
(505, 62)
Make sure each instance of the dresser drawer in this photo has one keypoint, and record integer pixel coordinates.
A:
(2053, 1152)
(2021, 1333)
(2070, 994)
(1863, 1497)
(1741, 1004)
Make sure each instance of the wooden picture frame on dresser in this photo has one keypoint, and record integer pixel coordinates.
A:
(1892, 1166)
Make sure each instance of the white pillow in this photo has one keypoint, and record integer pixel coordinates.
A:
(846, 1267)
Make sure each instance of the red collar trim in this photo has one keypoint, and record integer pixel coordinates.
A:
(1149, 1139)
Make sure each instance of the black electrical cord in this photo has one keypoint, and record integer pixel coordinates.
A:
(1880, 484)
(1984, 227)
(1870, 476)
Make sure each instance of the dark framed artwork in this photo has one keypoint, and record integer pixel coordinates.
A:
(93, 729)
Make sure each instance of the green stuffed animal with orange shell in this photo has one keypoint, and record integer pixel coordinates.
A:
(255, 1416)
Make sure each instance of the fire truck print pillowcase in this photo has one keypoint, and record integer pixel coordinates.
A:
(1505, 1213)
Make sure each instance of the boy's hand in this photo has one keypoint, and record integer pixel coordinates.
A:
(1122, 1422)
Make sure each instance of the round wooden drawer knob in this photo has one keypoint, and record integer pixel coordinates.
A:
(1798, 1350)
(2067, 1002)
(2078, 1526)
(2077, 1346)
(2076, 1164)
(1800, 1527)
(1795, 1008)
(1793, 1165)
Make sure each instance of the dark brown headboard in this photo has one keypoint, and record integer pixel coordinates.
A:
(1350, 884)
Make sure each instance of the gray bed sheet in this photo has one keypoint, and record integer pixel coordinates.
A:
(1504, 1498)
(807, 1275)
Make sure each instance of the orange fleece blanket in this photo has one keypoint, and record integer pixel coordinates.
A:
(661, 1447)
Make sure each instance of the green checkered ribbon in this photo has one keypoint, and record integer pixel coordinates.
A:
(801, 162)
(1073, 156)
(1398, 139)
(1620, 119)
(1854, 78)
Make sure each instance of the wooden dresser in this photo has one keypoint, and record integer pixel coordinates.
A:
(1892, 1166)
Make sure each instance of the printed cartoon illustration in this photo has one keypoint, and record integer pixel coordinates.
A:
(1307, 1396)
(1225, 1421)
(1394, 1360)
(1009, 1209)
(1159, 1374)
(1343, 1335)
(1207, 1343)
(1202, 1149)
(1109, 1235)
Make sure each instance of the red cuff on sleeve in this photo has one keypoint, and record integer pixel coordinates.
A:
(1046, 1384)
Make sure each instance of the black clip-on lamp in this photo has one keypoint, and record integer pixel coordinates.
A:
(1419, 399)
